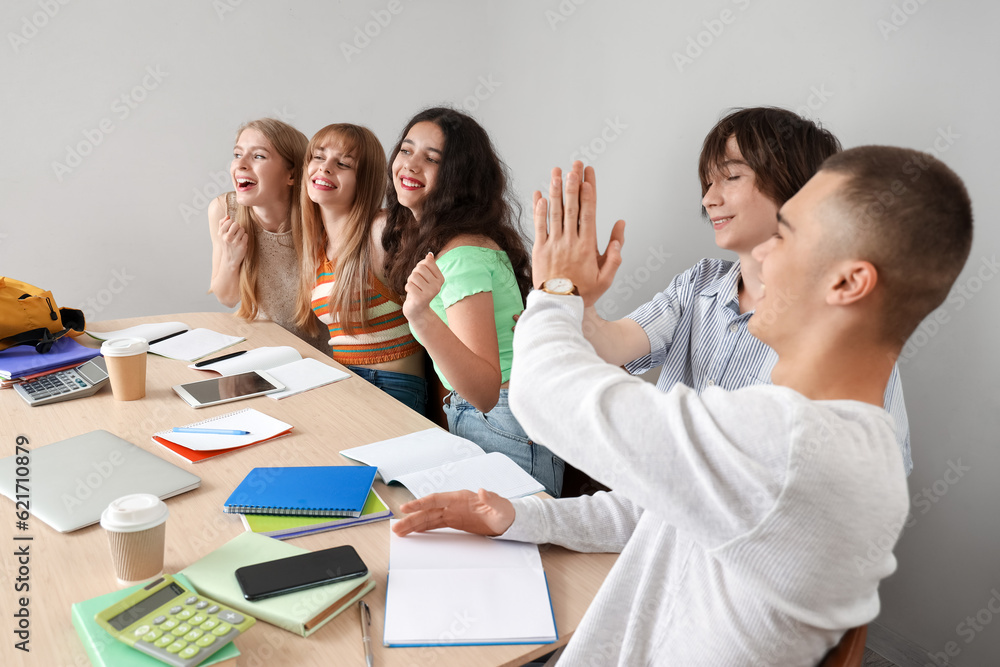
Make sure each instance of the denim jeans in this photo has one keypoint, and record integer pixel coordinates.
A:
(499, 431)
(409, 390)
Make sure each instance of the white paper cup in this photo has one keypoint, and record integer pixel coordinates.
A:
(126, 362)
(136, 525)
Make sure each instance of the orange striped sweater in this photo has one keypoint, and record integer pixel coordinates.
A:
(387, 336)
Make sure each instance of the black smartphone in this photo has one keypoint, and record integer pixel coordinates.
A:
(295, 573)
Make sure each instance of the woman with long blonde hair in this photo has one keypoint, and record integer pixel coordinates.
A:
(255, 262)
(342, 278)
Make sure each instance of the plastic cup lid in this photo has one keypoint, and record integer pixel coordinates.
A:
(124, 347)
(135, 512)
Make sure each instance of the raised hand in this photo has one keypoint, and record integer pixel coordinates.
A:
(483, 513)
(424, 283)
(566, 236)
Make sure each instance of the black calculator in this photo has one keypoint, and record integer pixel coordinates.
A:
(84, 380)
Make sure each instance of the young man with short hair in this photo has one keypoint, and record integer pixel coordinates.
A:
(744, 519)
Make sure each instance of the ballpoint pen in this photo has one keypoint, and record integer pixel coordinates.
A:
(163, 338)
(366, 637)
(209, 431)
(222, 358)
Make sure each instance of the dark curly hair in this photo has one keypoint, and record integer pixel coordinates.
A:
(470, 196)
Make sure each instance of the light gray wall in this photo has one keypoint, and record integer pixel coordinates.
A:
(121, 230)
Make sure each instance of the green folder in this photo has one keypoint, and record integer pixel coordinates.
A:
(302, 612)
(106, 651)
(287, 527)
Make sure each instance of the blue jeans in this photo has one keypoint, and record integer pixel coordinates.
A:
(499, 431)
(409, 390)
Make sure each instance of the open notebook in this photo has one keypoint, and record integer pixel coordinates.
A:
(183, 343)
(284, 364)
(435, 461)
(449, 588)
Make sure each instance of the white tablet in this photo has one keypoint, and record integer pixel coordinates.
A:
(228, 388)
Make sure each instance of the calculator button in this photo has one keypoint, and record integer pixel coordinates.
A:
(152, 635)
(186, 614)
(180, 630)
(191, 600)
(214, 608)
(201, 604)
(222, 629)
(141, 630)
(198, 619)
(193, 635)
(169, 624)
(206, 640)
(175, 609)
(177, 646)
(159, 619)
(209, 624)
(230, 617)
(189, 652)
(163, 641)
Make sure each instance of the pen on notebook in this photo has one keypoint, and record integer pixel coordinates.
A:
(163, 338)
(222, 358)
(366, 637)
(210, 431)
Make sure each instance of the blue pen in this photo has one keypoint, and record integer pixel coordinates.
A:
(210, 431)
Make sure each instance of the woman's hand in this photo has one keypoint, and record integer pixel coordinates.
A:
(422, 286)
(234, 240)
(483, 513)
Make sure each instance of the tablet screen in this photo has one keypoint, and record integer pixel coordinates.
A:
(228, 388)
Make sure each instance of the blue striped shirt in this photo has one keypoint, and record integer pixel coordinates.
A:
(698, 335)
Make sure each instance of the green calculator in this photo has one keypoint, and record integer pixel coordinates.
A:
(173, 624)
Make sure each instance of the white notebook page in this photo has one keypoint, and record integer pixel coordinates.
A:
(494, 472)
(413, 452)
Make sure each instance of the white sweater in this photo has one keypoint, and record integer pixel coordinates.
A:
(754, 526)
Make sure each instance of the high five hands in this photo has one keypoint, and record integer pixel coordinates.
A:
(566, 236)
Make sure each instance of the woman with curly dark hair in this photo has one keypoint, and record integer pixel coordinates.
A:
(453, 245)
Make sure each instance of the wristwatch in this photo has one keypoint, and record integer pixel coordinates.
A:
(561, 286)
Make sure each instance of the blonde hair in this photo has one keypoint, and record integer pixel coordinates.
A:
(352, 262)
(290, 144)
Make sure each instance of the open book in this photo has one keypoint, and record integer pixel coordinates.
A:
(435, 461)
(284, 364)
(183, 342)
(496, 589)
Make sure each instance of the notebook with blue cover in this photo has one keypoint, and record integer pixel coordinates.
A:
(303, 491)
(23, 360)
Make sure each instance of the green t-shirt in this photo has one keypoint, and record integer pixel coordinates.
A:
(468, 270)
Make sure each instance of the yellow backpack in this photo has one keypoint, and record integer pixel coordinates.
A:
(29, 316)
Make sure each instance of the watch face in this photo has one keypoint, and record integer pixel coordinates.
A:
(558, 285)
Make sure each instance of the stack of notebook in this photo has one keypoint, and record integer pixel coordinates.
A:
(287, 527)
(22, 362)
(317, 491)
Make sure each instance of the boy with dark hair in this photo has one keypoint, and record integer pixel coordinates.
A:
(740, 516)
(751, 163)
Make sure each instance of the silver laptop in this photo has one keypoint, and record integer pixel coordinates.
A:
(71, 481)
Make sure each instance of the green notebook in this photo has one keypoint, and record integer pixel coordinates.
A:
(287, 527)
(302, 612)
(106, 651)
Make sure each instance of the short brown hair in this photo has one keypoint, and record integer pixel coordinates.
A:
(783, 149)
(911, 217)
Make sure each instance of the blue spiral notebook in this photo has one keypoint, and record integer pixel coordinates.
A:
(303, 491)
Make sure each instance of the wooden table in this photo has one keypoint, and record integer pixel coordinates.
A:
(67, 568)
